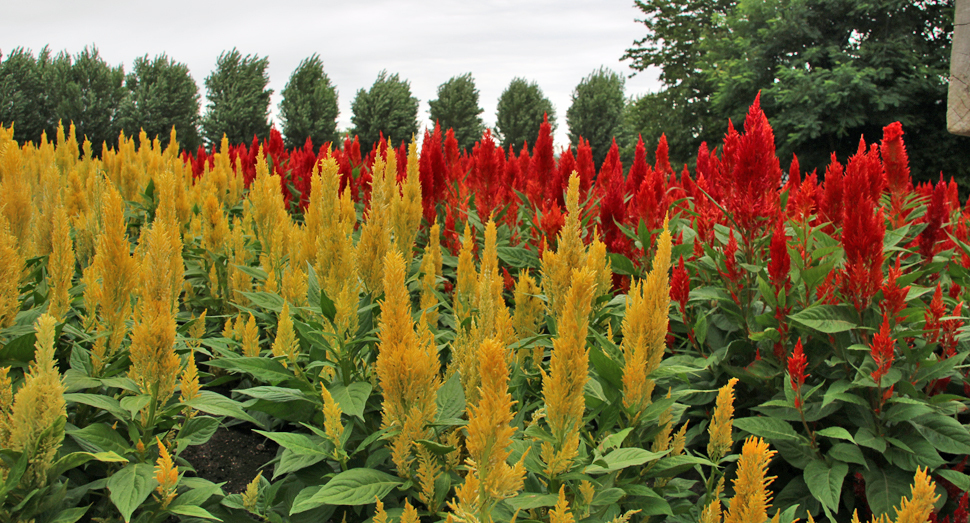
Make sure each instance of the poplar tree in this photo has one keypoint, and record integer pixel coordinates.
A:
(520, 111)
(309, 106)
(238, 99)
(457, 108)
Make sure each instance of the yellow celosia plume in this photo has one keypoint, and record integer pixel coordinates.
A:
(645, 329)
(154, 364)
(490, 433)
(36, 408)
(407, 367)
(562, 387)
(167, 476)
(722, 423)
(60, 265)
(11, 268)
(752, 499)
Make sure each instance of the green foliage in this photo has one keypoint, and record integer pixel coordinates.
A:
(309, 105)
(520, 111)
(387, 108)
(161, 95)
(829, 71)
(88, 92)
(23, 94)
(457, 108)
(596, 113)
(238, 99)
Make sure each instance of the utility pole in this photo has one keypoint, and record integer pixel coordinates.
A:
(958, 102)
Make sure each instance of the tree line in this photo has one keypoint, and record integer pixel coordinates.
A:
(36, 92)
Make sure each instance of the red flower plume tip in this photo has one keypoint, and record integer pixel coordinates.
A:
(680, 284)
(780, 264)
(882, 349)
(895, 160)
(797, 363)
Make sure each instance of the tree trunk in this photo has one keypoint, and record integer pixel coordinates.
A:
(958, 106)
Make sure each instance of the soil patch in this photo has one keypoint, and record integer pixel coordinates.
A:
(233, 455)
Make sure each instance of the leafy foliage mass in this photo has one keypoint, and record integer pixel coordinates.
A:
(457, 108)
(387, 109)
(828, 71)
(521, 109)
(238, 104)
(309, 105)
(481, 336)
(597, 111)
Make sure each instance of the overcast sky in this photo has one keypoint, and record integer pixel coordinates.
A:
(554, 43)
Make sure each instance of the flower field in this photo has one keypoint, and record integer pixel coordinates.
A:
(430, 334)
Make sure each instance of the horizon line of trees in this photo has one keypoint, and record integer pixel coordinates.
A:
(157, 95)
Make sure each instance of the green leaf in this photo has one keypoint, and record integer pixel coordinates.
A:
(772, 429)
(219, 405)
(435, 447)
(264, 369)
(961, 480)
(275, 394)
(674, 465)
(621, 264)
(69, 515)
(835, 432)
(192, 511)
(451, 399)
(76, 459)
(351, 487)
(825, 318)
(99, 437)
(834, 390)
(291, 461)
(266, 300)
(623, 458)
(944, 433)
(526, 501)
(885, 488)
(131, 486)
(198, 430)
(867, 438)
(848, 453)
(105, 403)
(352, 399)
(299, 443)
(825, 481)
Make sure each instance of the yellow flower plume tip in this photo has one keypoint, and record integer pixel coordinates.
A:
(562, 387)
(489, 426)
(561, 513)
(380, 515)
(189, 380)
(722, 423)
(166, 474)
(917, 508)
(251, 496)
(331, 418)
(751, 496)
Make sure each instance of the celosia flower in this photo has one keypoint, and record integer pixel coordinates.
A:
(751, 496)
(562, 387)
(167, 476)
(645, 329)
(680, 285)
(722, 423)
(882, 351)
(780, 263)
(893, 296)
(917, 508)
(561, 513)
(797, 363)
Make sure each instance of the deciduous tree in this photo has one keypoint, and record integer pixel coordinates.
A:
(238, 99)
(520, 112)
(388, 108)
(161, 95)
(457, 108)
(309, 106)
